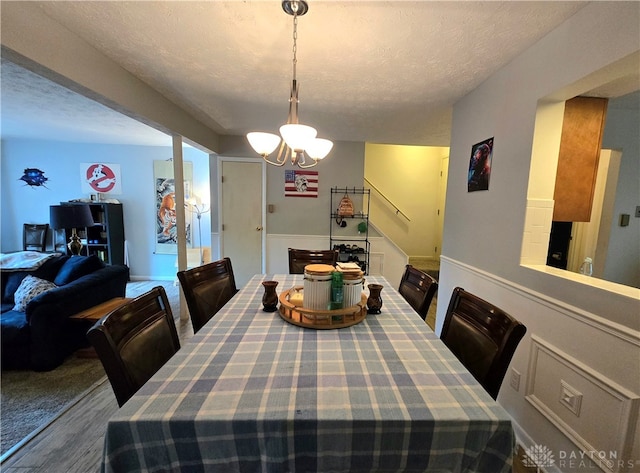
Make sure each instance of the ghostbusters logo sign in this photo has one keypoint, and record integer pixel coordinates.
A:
(101, 177)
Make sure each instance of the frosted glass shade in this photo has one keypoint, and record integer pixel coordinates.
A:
(319, 148)
(263, 143)
(297, 136)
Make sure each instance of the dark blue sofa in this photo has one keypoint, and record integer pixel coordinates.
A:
(42, 336)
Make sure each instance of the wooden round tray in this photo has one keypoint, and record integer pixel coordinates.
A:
(321, 319)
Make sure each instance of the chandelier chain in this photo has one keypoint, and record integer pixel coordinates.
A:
(296, 140)
(295, 44)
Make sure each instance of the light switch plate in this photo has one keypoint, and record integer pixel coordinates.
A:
(624, 220)
(515, 380)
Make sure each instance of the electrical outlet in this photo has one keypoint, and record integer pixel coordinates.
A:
(638, 211)
(515, 380)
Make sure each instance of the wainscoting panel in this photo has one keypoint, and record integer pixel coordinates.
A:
(376, 263)
(596, 413)
(597, 407)
(278, 249)
(385, 258)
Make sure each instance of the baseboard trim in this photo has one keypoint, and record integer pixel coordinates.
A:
(152, 278)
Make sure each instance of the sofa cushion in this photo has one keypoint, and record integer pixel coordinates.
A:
(50, 268)
(15, 340)
(29, 288)
(6, 307)
(76, 267)
(12, 279)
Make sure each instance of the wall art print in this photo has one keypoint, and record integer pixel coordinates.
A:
(300, 183)
(34, 177)
(103, 178)
(165, 206)
(480, 166)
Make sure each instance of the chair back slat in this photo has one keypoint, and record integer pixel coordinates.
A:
(206, 289)
(418, 289)
(134, 341)
(298, 259)
(482, 336)
(34, 236)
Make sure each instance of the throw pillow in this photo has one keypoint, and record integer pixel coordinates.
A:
(76, 267)
(29, 288)
(11, 281)
(49, 270)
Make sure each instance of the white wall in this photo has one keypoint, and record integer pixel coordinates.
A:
(343, 167)
(593, 326)
(622, 132)
(61, 163)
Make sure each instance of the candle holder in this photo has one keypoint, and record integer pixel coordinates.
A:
(374, 302)
(270, 298)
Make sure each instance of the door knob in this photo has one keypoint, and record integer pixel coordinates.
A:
(258, 228)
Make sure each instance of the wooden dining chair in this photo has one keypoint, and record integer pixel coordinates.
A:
(418, 289)
(482, 336)
(206, 289)
(134, 341)
(34, 236)
(298, 259)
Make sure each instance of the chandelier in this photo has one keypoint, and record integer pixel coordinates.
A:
(298, 141)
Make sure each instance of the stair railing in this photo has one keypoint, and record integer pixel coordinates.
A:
(398, 211)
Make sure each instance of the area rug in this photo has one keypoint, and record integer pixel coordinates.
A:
(32, 399)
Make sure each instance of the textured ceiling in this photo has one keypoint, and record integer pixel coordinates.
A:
(376, 71)
(36, 108)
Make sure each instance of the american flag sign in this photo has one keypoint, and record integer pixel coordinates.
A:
(300, 183)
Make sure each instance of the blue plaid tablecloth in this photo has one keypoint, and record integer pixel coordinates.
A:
(252, 393)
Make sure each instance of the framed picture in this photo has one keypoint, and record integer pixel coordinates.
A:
(165, 206)
(480, 166)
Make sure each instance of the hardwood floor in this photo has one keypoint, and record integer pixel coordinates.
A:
(73, 442)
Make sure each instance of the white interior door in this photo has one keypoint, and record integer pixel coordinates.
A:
(242, 216)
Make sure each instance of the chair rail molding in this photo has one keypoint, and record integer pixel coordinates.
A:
(620, 331)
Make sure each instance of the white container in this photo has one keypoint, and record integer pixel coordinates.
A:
(352, 288)
(317, 286)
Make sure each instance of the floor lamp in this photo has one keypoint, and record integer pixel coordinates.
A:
(198, 209)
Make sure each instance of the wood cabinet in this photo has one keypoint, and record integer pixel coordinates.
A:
(580, 143)
(106, 238)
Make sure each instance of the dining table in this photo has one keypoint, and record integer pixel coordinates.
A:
(251, 392)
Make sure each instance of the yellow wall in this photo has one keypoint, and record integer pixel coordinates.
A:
(409, 176)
